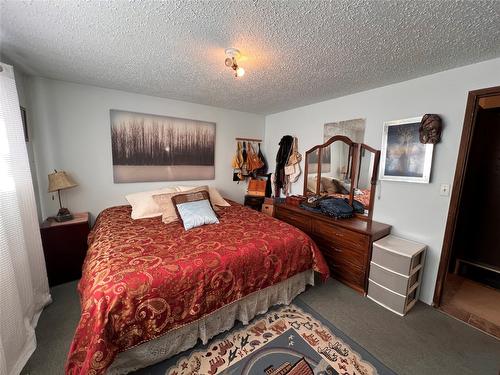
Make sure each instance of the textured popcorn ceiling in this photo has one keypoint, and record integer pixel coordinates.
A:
(295, 52)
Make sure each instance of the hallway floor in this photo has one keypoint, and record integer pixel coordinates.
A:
(473, 303)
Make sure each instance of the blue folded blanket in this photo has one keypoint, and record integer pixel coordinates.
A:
(337, 208)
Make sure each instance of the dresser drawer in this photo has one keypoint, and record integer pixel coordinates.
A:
(390, 300)
(300, 221)
(341, 237)
(343, 254)
(346, 272)
(394, 281)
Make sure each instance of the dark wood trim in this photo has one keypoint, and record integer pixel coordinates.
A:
(318, 171)
(456, 194)
(354, 170)
(373, 181)
(249, 139)
(342, 138)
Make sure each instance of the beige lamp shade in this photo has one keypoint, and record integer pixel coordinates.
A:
(59, 181)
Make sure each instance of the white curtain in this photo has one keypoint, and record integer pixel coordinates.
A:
(24, 289)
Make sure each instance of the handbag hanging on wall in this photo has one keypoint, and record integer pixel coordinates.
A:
(262, 170)
(253, 161)
(257, 187)
(237, 163)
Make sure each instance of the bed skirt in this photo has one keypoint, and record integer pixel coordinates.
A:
(205, 328)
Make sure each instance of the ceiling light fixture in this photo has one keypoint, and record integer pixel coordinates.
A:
(233, 54)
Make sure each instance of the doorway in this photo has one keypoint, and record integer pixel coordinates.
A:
(468, 284)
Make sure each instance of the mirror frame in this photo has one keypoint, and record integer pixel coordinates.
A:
(374, 177)
(355, 150)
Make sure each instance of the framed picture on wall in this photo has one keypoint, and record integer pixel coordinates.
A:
(403, 157)
(148, 147)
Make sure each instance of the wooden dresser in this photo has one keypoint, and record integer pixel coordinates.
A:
(345, 243)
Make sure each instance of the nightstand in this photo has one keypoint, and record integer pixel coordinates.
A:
(254, 201)
(65, 247)
(268, 206)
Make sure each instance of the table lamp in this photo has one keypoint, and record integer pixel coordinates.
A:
(59, 181)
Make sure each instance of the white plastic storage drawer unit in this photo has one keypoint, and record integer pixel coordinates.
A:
(398, 255)
(396, 273)
(400, 304)
(394, 281)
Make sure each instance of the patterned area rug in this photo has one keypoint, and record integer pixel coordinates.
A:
(288, 340)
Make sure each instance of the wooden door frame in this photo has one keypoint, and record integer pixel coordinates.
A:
(458, 182)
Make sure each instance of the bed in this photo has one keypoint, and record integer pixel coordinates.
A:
(149, 290)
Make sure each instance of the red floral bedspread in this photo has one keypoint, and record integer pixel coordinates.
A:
(143, 278)
(364, 198)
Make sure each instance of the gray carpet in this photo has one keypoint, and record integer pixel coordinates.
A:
(424, 342)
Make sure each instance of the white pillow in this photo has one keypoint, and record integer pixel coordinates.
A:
(215, 197)
(143, 205)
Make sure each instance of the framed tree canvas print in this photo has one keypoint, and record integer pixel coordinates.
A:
(149, 148)
(403, 157)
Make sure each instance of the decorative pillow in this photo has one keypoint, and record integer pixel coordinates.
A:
(164, 201)
(195, 209)
(143, 205)
(215, 197)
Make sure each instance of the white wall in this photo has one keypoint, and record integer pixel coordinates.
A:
(21, 78)
(71, 131)
(416, 211)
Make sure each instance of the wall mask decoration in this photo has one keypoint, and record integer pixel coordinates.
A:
(430, 129)
(149, 148)
(403, 156)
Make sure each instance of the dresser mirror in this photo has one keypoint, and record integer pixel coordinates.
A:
(366, 180)
(311, 172)
(343, 169)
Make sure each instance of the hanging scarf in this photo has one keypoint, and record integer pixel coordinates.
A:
(280, 179)
(292, 170)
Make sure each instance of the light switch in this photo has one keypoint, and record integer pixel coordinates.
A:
(444, 190)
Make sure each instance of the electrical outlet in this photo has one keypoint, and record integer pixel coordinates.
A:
(444, 190)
